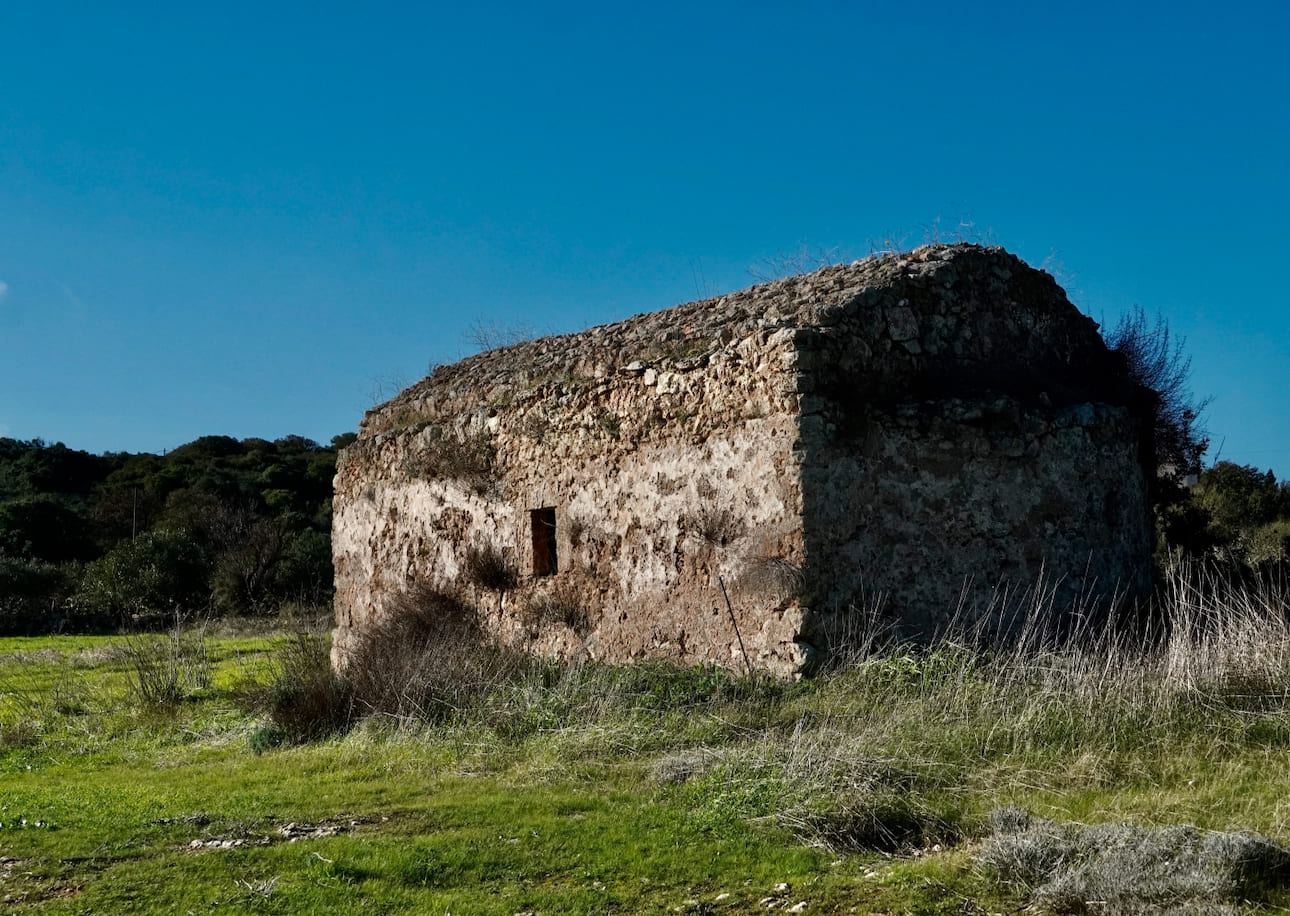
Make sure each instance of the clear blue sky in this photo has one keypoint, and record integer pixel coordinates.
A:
(251, 218)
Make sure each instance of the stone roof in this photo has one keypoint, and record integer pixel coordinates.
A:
(909, 307)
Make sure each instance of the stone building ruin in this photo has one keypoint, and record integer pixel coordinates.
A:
(925, 427)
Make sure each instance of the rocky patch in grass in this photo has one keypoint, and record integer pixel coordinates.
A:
(237, 835)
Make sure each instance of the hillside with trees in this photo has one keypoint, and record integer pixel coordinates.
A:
(216, 526)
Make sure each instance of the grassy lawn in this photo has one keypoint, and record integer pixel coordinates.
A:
(609, 790)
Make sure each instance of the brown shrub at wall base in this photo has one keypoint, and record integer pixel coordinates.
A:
(305, 699)
(426, 658)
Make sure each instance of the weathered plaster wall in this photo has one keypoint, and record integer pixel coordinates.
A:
(664, 478)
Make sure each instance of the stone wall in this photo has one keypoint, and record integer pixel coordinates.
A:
(966, 433)
(904, 426)
(969, 507)
(666, 480)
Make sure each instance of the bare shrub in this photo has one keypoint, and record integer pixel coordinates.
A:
(162, 670)
(427, 658)
(716, 524)
(305, 699)
(955, 230)
(1157, 360)
(805, 259)
(492, 334)
(381, 390)
(488, 567)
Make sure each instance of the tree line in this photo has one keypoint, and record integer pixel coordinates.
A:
(216, 526)
(230, 527)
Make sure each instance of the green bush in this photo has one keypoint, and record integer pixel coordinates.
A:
(44, 528)
(30, 596)
(147, 579)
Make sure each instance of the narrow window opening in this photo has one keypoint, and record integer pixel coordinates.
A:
(544, 557)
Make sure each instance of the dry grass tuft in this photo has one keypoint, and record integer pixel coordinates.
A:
(558, 604)
(1121, 868)
(771, 576)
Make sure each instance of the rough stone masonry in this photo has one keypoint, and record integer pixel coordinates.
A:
(918, 433)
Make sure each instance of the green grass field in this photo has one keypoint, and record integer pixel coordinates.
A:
(592, 789)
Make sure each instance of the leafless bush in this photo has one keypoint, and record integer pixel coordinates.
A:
(162, 670)
(427, 658)
(488, 567)
(716, 524)
(383, 389)
(805, 259)
(955, 230)
(1157, 360)
(492, 335)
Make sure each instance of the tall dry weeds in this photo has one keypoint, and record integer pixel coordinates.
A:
(427, 659)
